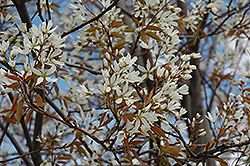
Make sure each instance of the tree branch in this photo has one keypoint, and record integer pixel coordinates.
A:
(91, 20)
(16, 145)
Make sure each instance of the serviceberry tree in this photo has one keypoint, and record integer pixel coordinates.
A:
(124, 82)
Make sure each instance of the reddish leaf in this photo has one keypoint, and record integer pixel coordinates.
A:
(8, 119)
(107, 121)
(152, 136)
(125, 118)
(129, 30)
(173, 151)
(151, 94)
(54, 9)
(92, 29)
(134, 143)
(28, 116)
(119, 45)
(158, 131)
(222, 162)
(39, 100)
(56, 89)
(136, 156)
(12, 77)
(65, 158)
(30, 77)
(209, 145)
(102, 117)
(14, 85)
(5, 111)
(203, 33)
(78, 145)
(115, 24)
(143, 36)
(55, 4)
(154, 28)
(136, 21)
(154, 36)
(118, 35)
(15, 100)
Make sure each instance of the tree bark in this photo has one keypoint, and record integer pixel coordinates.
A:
(194, 102)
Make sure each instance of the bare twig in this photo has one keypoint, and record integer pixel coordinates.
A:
(80, 67)
(39, 11)
(16, 145)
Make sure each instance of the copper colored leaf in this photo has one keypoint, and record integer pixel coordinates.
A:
(119, 45)
(246, 99)
(129, 30)
(125, 118)
(65, 103)
(13, 110)
(115, 24)
(65, 158)
(55, 4)
(173, 151)
(151, 94)
(39, 100)
(203, 33)
(61, 162)
(15, 100)
(12, 77)
(136, 156)
(5, 111)
(56, 89)
(222, 162)
(136, 21)
(153, 35)
(247, 89)
(19, 111)
(193, 147)
(152, 136)
(143, 36)
(107, 121)
(92, 29)
(154, 28)
(102, 117)
(118, 35)
(134, 143)
(209, 145)
(30, 77)
(158, 131)
(8, 119)
(54, 9)
(130, 116)
(143, 20)
(81, 149)
(13, 85)
(28, 116)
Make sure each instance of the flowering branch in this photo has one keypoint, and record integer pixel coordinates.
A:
(91, 20)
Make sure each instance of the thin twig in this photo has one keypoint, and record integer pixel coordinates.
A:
(16, 145)
(91, 20)
(80, 67)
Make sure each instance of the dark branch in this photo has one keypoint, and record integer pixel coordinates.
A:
(91, 20)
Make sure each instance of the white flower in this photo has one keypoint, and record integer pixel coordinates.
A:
(211, 118)
(44, 75)
(147, 71)
(182, 127)
(183, 89)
